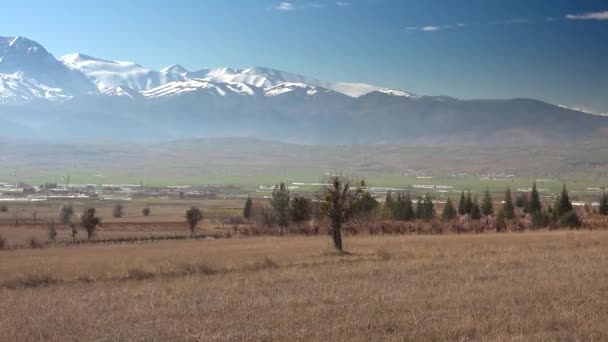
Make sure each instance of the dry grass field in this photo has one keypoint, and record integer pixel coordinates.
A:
(494, 287)
(166, 218)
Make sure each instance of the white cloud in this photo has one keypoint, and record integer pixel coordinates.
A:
(518, 21)
(430, 28)
(589, 16)
(342, 3)
(284, 6)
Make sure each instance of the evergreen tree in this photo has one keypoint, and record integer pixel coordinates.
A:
(521, 201)
(301, 209)
(603, 209)
(534, 204)
(399, 208)
(247, 208)
(475, 210)
(468, 204)
(562, 204)
(487, 207)
(280, 203)
(501, 220)
(507, 206)
(389, 206)
(409, 213)
(462, 204)
(429, 208)
(449, 213)
(420, 214)
(366, 205)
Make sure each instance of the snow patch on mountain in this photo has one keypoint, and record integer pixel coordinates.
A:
(289, 87)
(121, 92)
(110, 74)
(199, 85)
(395, 93)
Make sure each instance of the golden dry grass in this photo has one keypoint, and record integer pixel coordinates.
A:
(529, 286)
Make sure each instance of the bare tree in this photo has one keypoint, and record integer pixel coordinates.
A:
(118, 211)
(65, 214)
(235, 221)
(89, 222)
(339, 203)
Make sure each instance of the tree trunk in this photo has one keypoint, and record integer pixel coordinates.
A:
(337, 236)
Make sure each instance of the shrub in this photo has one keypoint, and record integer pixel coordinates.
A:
(2, 242)
(145, 211)
(65, 214)
(137, 274)
(118, 211)
(571, 220)
(540, 219)
(52, 230)
(193, 216)
(34, 243)
(3, 208)
(89, 222)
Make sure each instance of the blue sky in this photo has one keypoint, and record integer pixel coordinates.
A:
(554, 50)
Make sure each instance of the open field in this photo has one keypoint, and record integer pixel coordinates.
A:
(250, 162)
(528, 286)
(166, 219)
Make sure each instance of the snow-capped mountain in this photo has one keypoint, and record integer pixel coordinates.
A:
(29, 71)
(41, 96)
(109, 74)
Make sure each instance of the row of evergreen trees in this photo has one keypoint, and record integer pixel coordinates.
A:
(562, 212)
(402, 207)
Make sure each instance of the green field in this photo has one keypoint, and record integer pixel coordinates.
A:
(249, 163)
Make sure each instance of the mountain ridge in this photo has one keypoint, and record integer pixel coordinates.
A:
(50, 98)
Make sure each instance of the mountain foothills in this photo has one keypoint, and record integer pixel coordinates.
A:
(83, 97)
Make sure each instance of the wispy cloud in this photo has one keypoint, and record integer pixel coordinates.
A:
(435, 28)
(284, 6)
(589, 16)
(430, 28)
(287, 6)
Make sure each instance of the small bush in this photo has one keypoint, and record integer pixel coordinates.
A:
(137, 274)
(200, 268)
(3, 208)
(383, 254)
(34, 243)
(145, 211)
(31, 280)
(540, 219)
(571, 220)
(2, 242)
(263, 264)
(52, 230)
(119, 210)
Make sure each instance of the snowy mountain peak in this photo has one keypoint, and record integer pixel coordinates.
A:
(36, 69)
(174, 69)
(21, 44)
